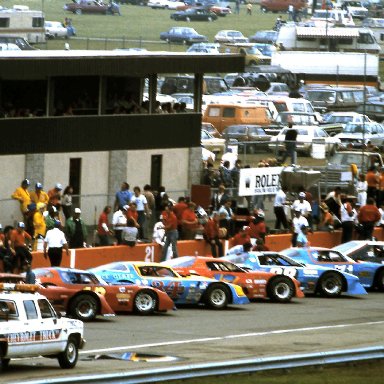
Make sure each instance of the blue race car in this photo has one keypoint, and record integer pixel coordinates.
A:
(312, 278)
(371, 275)
(182, 290)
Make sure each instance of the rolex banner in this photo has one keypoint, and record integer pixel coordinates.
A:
(259, 181)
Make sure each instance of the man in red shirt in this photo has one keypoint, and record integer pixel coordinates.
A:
(132, 213)
(178, 210)
(241, 237)
(19, 247)
(103, 230)
(171, 233)
(257, 228)
(368, 216)
(211, 232)
(189, 222)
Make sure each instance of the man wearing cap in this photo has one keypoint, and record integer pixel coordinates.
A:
(55, 196)
(297, 224)
(18, 239)
(257, 227)
(304, 206)
(76, 230)
(39, 196)
(119, 222)
(22, 195)
(40, 228)
(55, 241)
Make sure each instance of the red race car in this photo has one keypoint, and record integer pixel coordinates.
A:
(255, 284)
(84, 296)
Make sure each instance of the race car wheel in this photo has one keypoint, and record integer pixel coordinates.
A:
(379, 280)
(331, 285)
(5, 363)
(84, 307)
(68, 358)
(145, 302)
(281, 289)
(217, 296)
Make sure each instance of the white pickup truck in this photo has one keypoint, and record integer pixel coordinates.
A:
(29, 326)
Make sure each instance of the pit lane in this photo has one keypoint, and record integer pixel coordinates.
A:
(194, 335)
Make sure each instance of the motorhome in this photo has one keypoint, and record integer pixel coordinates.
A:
(376, 25)
(332, 39)
(334, 17)
(20, 21)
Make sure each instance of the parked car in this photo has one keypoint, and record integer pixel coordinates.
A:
(373, 109)
(363, 250)
(296, 118)
(86, 296)
(276, 88)
(343, 118)
(91, 6)
(194, 14)
(220, 11)
(265, 49)
(357, 135)
(371, 275)
(305, 136)
(182, 290)
(210, 128)
(165, 4)
(9, 47)
(19, 41)
(55, 29)
(213, 144)
(230, 36)
(265, 37)
(256, 284)
(210, 47)
(313, 279)
(183, 35)
(251, 138)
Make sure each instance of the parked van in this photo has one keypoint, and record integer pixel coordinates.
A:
(281, 5)
(335, 99)
(223, 115)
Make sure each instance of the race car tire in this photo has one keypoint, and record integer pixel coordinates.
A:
(145, 302)
(68, 358)
(281, 289)
(84, 307)
(216, 296)
(379, 280)
(5, 363)
(331, 285)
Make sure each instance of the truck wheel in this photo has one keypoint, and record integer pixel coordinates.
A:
(145, 302)
(217, 296)
(68, 358)
(84, 307)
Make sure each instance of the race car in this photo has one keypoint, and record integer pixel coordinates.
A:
(371, 275)
(182, 290)
(255, 284)
(363, 250)
(313, 278)
(84, 296)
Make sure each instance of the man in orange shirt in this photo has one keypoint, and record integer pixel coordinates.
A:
(19, 248)
(171, 233)
(372, 181)
(189, 222)
(55, 196)
(211, 232)
(368, 216)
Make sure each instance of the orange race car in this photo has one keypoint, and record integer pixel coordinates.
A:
(255, 284)
(84, 296)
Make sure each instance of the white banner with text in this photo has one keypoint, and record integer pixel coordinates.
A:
(259, 181)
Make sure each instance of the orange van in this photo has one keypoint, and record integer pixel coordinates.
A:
(223, 115)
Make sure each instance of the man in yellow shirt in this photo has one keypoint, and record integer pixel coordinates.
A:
(39, 225)
(38, 195)
(22, 195)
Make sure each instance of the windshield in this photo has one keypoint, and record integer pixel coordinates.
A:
(253, 51)
(296, 119)
(339, 119)
(325, 96)
(357, 128)
(234, 34)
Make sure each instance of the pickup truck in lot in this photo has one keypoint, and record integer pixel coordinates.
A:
(29, 327)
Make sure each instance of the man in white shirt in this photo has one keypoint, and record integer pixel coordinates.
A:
(55, 241)
(142, 209)
(278, 208)
(119, 222)
(297, 223)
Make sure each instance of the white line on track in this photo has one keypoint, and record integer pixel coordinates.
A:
(255, 334)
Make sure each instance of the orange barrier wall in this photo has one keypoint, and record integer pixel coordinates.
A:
(84, 258)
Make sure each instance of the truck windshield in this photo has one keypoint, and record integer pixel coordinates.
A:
(325, 96)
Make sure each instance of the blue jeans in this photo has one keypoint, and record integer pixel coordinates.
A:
(170, 239)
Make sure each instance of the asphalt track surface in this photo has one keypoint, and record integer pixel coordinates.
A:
(196, 335)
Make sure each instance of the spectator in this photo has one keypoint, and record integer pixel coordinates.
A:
(129, 234)
(257, 228)
(119, 222)
(326, 223)
(302, 240)
(150, 222)
(39, 225)
(290, 144)
(242, 236)
(278, 208)
(50, 217)
(54, 242)
(66, 202)
(19, 239)
(132, 213)
(227, 218)
(122, 197)
(189, 222)
(76, 230)
(347, 219)
(22, 195)
(171, 233)
(297, 225)
(142, 209)
(211, 234)
(225, 174)
(304, 206)
(380, 192)
(235, 174)
(219, 198)
(368, 216)
(372, 181)
(39, 196)
(55, 196)
(249, 9)
(103, 227)
(333, 201)
(178, 210)
(30, 277)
